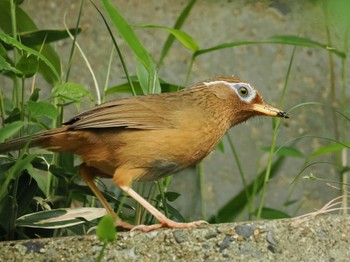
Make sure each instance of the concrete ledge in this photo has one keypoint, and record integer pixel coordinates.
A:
(323, 238)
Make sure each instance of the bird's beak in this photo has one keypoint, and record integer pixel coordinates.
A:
(267, 110)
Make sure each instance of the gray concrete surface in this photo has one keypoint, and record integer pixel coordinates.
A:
(211, 23)
(309, 239)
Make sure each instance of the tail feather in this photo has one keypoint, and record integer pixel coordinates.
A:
(31, 141)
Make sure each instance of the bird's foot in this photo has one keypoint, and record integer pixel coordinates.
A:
(168, 224)
(118, 223)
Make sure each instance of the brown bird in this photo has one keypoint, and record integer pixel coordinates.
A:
(148, 137)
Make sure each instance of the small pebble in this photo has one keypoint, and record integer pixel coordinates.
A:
(206, 246)
(270, 239)
(180, 236)
(211, 234)
(33, 246)
(225, 243)
(245, 230)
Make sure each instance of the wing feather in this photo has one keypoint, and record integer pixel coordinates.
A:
(134, 112)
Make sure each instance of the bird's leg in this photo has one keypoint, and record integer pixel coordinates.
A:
(163, 220)
(88, 174)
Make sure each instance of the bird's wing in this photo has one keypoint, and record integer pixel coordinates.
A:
(134, 112)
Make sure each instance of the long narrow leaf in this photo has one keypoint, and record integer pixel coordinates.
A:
(60, 218)
(125, 88)
(131, 87)
(185, 39)
(11, 41)
(20, 165)
(128, 34)
(41, 36)
(178, 24)
(330, 148)
(283, 40)
(10, 129)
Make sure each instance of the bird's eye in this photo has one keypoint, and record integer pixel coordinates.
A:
(243, 91)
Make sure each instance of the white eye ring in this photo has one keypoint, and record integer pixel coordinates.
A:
(244, 90)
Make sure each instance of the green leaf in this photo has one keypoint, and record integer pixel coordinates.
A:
(71, 91)
(303, 41)
(283, 40)
(286, 151)
(175, 213)
(129, 36)
(330, 148)
(11, 41)
(142, 76)
(185, 39)
(270, 213)
(224, 46)
(125, 88)
(43, 109)
(39, 178)
(28, 65)
(178, 24)
(10, 129)
(45, 70)
(39, 37)
(24, 23)
(13, 116)
(60, 218)
(170, 196)
(5, 66)
(3, 51)
(106, 229)
(26, 191)
(220, 147)
(21, 164)
(35, 95)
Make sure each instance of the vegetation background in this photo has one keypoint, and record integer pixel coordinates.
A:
(310, 79)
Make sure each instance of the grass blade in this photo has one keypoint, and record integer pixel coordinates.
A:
(13, 42)
(128, 34)
(178, 24)
(283, 40)
(185, 39)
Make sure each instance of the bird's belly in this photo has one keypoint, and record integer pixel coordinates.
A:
(157, 152)
(159, 169)
(163, 152)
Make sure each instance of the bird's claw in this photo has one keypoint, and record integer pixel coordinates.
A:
(168, 224)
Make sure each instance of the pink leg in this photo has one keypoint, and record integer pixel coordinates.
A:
(163, 220)
(88, 174)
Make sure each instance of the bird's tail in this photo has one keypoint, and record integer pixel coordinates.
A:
(39, 139)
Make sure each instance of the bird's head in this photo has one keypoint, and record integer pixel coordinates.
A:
(241, 99)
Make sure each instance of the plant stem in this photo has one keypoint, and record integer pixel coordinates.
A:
(69, 66)
(162, 192)
(344, 177)
(276, 125)
(2, 110)
(15, 97)
(101, 255)
(238, 162)
(202, 191)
